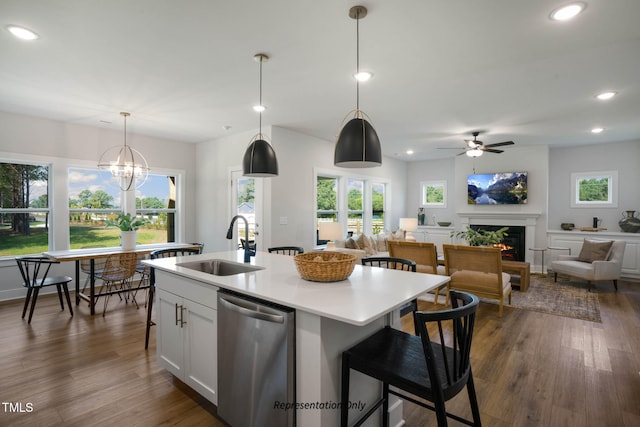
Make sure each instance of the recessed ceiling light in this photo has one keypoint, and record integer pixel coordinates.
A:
(597, 130)
(568, 11)
(606, 95)
(363, 76)
(259, 108)
(409, 152)
(22, 33)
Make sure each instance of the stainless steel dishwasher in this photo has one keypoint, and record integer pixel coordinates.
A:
(256, 362)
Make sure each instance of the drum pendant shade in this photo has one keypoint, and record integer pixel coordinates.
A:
(358, 145)
(260, 160)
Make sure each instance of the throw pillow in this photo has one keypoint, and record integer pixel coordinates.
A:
(370, 246)
(381, 243)
(361, 241)
(594, 250)
(350, 243)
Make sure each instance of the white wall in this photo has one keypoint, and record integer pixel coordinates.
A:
(534, 160)
(63, 144)
(290, 194)
(623, 157)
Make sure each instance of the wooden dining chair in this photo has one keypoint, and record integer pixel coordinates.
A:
(35, 276)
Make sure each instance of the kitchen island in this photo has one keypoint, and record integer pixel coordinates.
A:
(330, 317)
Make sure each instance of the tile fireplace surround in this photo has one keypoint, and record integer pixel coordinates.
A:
(528, 220)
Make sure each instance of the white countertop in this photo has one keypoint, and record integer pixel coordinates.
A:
(366, 295)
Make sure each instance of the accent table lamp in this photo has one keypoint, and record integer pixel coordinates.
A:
(409, 225)
(330, 231)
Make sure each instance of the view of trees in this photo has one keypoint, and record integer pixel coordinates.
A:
(594, 189)
(16, 181)
(102, 200)
(327, 196)
(434, 194)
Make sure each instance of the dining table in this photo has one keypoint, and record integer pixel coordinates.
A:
(91, 254)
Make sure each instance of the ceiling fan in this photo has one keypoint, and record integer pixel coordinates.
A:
(476, 148)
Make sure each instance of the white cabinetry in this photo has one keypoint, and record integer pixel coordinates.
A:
(437, 235)
(186, 336)
(574, 239)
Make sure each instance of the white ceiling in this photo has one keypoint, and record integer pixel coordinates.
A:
(442, 69)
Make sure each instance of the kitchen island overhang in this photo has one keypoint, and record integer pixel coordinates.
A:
(330, 317)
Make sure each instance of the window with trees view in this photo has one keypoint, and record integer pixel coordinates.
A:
(594, 189)
(355, 204)
(24, 208)
(93, 198)
(358, 201)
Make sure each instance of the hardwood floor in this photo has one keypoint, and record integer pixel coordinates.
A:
(530, 369)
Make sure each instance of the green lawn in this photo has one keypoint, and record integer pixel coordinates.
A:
(80, 236)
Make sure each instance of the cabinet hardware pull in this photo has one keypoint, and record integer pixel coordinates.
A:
(176, 314)
(182, 321)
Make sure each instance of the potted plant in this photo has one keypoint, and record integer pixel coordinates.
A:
(128, 225)
(481, 237)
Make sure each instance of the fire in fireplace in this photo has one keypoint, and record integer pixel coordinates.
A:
(513, 245)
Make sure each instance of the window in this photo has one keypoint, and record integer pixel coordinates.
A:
(24, 208)
(355, 204)
(93, 198)
(377, 206)
(359, 203)
(594, 189)
(434, 194)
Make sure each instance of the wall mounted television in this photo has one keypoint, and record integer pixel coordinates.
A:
(505, 188)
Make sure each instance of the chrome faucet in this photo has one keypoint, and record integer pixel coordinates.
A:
(247, 250)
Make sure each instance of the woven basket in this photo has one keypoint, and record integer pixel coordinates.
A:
(325, 266)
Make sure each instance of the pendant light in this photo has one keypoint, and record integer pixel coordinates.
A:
(358, 145)
(260, 158)
(129, 165)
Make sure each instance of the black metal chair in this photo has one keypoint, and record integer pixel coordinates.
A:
(434, 366)
(162, 253)
(35, 271)
(395, 263)
(286, 250)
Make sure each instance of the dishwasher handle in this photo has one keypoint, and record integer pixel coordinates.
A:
(251, 313)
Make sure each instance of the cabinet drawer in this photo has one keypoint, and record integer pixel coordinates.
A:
(202, 293)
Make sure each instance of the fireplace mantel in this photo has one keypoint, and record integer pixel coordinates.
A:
(517, 218)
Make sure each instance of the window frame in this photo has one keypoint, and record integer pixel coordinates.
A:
(342, 213)
(423, 194)
(612, 190)
(48, 211)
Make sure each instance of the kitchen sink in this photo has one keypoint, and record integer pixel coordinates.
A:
(219, 267)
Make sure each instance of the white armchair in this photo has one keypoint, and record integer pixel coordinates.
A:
(607, 269)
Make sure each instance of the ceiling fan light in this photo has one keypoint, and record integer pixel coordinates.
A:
(474, 152)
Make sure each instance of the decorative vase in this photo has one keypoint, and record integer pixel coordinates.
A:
(629, 222)
(421, 216)
(128, 240)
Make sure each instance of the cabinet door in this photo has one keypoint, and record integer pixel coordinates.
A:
(201, 357)
(169, 332)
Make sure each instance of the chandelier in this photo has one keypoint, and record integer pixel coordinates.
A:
(128, 166)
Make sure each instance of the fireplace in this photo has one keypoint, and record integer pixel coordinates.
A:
(513, 245)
